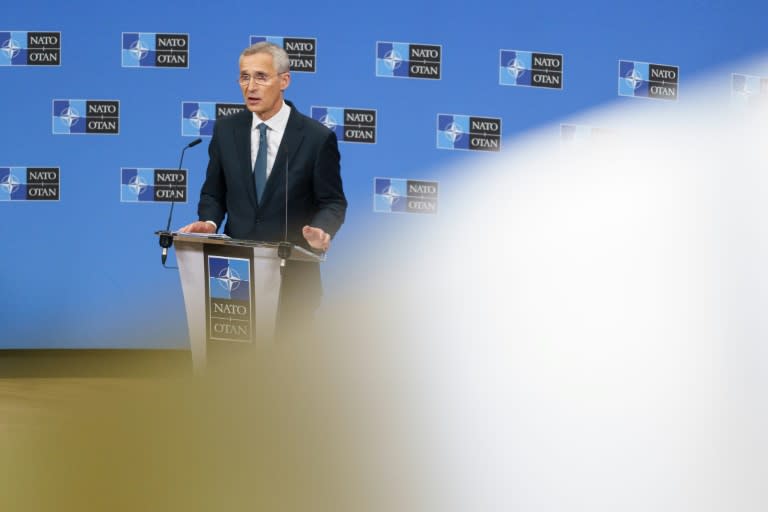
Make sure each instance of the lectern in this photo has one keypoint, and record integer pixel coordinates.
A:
(231, 288)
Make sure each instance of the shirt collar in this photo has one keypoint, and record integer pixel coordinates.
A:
(277, 122)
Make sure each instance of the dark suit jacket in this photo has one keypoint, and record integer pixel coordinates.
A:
(308, 151)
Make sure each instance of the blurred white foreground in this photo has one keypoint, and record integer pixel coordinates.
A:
(584, 326)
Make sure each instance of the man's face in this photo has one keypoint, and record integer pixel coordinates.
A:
(263, 93)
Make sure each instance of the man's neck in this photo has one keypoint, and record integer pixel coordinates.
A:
(257, 119)
(270, 115)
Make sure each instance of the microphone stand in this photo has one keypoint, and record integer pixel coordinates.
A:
(284, 248)
(166, 237)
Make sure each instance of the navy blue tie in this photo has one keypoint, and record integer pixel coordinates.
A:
(260, 167)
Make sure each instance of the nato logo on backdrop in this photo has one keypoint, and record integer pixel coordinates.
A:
(408, 60)
(469, 133)
(29, 184)
(749, 88)
(647, 80)
(155, 50)
(349, 124)
(229, 299)
(86, 117)
(395, 195)
(574, 135)
(582, 132)
(302, 51)
(22, 48)
(531, 69)
(575, 132)
(199, 117)
(148, 185)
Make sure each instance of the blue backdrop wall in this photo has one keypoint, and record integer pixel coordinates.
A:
(81, 268)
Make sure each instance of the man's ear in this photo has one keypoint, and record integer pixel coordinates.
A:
(285, 81)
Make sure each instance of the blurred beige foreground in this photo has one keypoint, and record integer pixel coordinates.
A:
(584, 329)
(289, 430)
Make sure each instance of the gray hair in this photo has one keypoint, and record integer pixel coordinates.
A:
(279, 56)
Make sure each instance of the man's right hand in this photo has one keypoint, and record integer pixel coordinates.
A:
(198, 227)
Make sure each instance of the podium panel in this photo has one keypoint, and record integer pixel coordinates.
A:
(231, 288)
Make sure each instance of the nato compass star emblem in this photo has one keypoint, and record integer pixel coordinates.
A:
(229, 279)
(634, 78)
(70, 116)
(453, 132)
(137, 185)
(11, 48)
(10, 183)
(744, 90)
(515, 68)
(138, 50)
(198, 119)
(328, 121)
(746, 93)
(390, 195)
(393, 60)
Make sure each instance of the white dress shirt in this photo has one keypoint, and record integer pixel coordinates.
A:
(275, 131)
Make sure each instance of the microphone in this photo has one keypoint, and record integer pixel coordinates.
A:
(192, 144)
(166, 239)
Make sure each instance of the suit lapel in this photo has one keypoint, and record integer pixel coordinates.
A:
(242, 131)
(292, 139)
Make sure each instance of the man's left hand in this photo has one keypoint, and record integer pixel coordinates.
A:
(316, 238)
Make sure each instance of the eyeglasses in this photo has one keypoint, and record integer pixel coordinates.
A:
(259, 78)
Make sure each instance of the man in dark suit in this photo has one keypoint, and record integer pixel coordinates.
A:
(253, 154)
